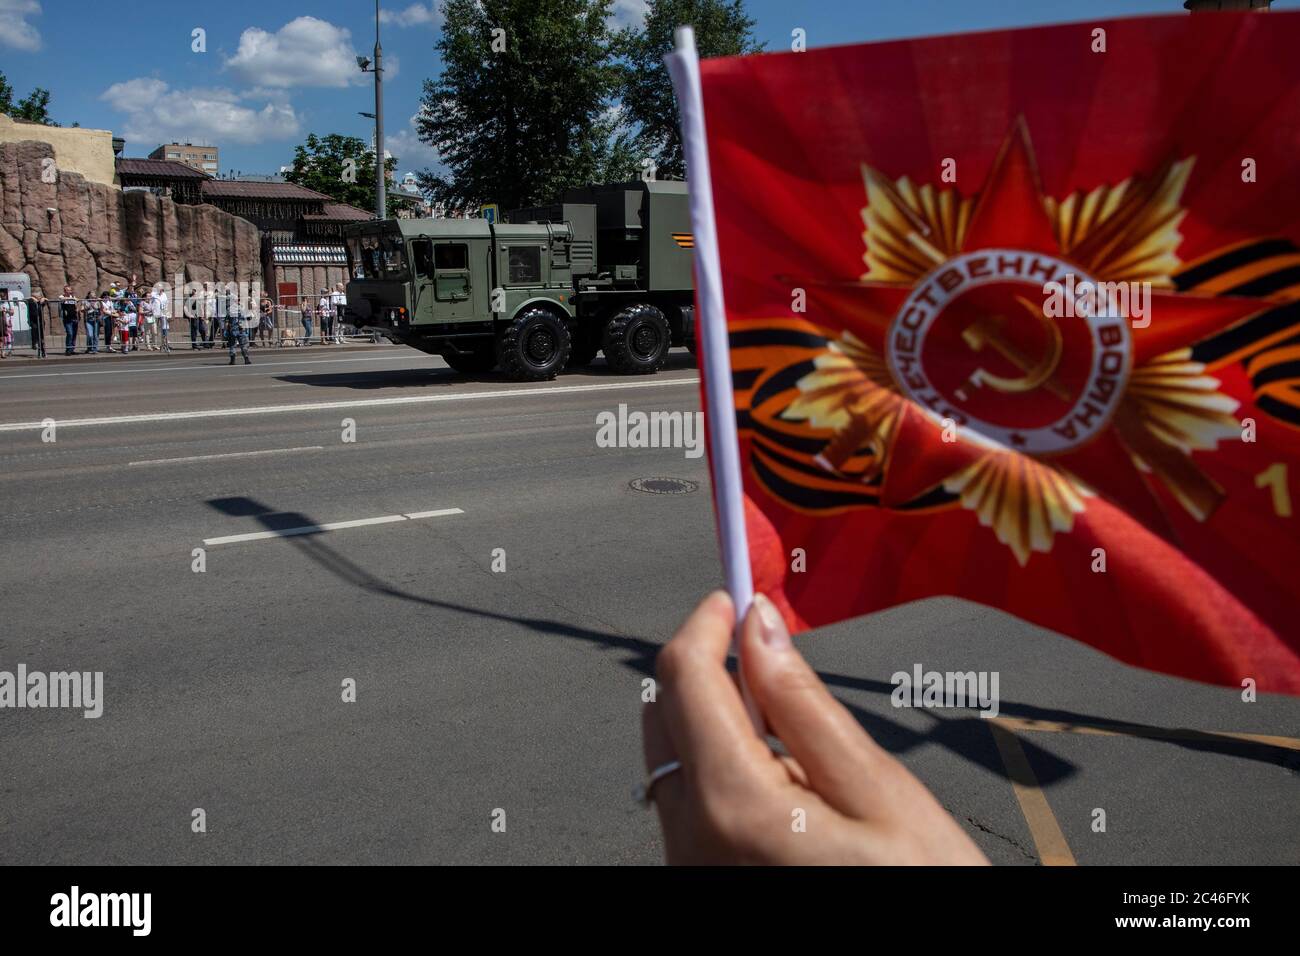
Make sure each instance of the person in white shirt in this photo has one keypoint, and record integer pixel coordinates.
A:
(19, 318)
(339, 301)
(161, 305)
(148, 325)
(6, 325)
(211, 319)
(108, 315)
(325, 309)
(129, 304)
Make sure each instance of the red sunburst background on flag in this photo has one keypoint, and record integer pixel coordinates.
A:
(847, 180)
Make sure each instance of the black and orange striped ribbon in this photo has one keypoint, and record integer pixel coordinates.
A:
(768, 359)
(1267, 344)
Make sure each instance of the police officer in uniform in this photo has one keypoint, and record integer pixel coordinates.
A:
(234, 329)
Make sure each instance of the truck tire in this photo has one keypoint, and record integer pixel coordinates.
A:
(637, 340)
(534, 347)
(481, 359)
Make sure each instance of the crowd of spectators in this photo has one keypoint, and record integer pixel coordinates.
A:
(131, 317)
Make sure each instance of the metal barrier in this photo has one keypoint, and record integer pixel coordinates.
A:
(317, 320)
(290, 320)
(112, 318)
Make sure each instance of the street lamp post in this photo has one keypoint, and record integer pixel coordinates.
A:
(377, 67)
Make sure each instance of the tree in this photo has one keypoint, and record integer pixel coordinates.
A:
(721, 29)
(524, 108)
(35, 106)
(341, 167)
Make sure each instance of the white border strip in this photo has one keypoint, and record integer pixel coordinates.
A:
(332, 526)
(232, 454)
(355, 403)
(210, 366)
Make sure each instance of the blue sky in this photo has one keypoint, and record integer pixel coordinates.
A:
(274, 72)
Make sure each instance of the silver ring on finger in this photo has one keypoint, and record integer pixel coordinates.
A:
(645, 793)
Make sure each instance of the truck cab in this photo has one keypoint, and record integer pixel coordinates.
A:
(442, 285)
(530, 295)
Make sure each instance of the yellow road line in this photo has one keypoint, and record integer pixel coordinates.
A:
(1046, 832)
(1151, 733)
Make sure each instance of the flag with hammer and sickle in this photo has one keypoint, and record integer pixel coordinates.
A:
(1015, 317)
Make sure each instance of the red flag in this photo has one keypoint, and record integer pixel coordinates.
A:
(1014, 317)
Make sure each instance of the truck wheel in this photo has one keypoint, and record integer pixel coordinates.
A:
(534, 346)
(636, 340)
(481, 359)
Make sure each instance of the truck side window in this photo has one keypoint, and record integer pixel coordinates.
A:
(448, 256)
(451, 271)
(422, 253)
(525, 264)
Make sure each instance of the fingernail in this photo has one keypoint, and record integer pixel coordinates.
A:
(771, 626)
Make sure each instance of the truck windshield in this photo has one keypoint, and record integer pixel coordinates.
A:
(378, 256)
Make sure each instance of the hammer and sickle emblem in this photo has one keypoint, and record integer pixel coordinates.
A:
(988, 331)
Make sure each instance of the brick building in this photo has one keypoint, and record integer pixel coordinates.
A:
(199, 156)
(302, 233)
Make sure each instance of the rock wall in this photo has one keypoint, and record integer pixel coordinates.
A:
(88, 234)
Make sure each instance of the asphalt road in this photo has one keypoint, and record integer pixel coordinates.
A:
(480, 691)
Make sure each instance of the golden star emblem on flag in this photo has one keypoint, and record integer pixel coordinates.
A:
(959, 379)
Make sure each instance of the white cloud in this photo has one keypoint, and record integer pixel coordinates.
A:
(628, 13)
(155, 114)
(416, 15)
(303, 52)
(412, 155)
(15, 31)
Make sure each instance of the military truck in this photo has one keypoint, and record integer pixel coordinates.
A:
(606, 269)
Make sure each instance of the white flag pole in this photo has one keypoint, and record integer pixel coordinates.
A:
(715, 354)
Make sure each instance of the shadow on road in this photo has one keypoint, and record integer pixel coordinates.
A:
(426, 377)
(1202, 741)
(349, 572)
(963, 735)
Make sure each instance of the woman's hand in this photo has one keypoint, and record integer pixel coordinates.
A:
(837, 799)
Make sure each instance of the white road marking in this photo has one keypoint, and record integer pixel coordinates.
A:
(354, 403)
(331, 526)
(417, 515)
(215, 365)
(233, 454)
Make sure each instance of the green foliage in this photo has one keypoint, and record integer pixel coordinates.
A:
(525, 105)
(35, 106)
(341, 167)
(721, 29)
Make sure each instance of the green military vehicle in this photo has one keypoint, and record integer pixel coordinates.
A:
(606, 269)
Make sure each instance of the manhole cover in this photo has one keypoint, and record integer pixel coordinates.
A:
(664, 486)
